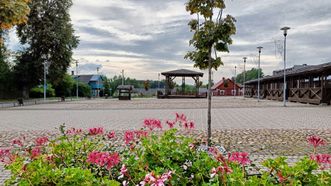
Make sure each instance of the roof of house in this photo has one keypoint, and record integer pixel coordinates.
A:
(302, 71)
(220, 83)
(183, 73)
(87, 78)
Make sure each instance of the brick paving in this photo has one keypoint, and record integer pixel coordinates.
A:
(263, 129)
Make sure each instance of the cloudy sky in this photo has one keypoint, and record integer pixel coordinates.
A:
(145, 37)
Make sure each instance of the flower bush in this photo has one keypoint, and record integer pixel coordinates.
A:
(152, 156)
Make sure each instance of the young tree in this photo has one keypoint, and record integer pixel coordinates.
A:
(49, 36)
(212, 33)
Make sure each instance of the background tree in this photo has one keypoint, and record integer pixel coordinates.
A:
(250, 75)
(12, 12)
(146, 85)
(49, 35)
(212, 33)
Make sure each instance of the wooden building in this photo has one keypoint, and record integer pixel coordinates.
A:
(226, 87)
(305, 84)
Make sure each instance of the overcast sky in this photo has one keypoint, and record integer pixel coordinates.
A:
(145, 37)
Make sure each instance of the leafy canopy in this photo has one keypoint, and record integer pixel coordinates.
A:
(210, 32)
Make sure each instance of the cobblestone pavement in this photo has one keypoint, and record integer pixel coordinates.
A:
(263, 129)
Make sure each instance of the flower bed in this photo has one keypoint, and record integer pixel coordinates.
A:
(151, 156)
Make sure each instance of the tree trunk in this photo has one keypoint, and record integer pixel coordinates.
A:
(209, 99)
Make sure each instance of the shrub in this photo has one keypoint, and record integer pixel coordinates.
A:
(151, 156)
(38, 92)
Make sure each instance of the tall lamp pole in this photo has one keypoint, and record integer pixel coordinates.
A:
(284, 85)
(122, 77)
(77, 79)
(245, 58)
(158, 81)
(45, 82)
(234, 86)
(258, 76)
(98, 87)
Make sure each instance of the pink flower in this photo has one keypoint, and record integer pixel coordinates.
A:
(124, 171)
(171, 124)
(324, 160)
(74, 131)
(17, 142)
(35, 152)
(240, 157)
(221, 169)
(128, 136)
(103, 159)
(41, 141)
(180, 117)
(111, 135)
(141, 134)
(191, 125)
(4, 154)
(152, 124)
(96, 131)
(280, 177)
(191, 146)
(316, 141)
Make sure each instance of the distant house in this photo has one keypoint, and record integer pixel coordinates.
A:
(94, 81)
(226, 87)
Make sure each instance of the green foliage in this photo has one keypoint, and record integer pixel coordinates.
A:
(250, 75)
(106, 83)
(38, 91)
(48, 35)
(209, 34)
(84, 90)
(66, 86)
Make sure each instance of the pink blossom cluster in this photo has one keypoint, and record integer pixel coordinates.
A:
(130, 136)
(220, 169)
(96, 131)
(74, 131)
(153, 180)
(41, 141)
(4, 153)
(324, 160)
(124, 172)
(182, 120)
(35, 152)
(316, 141)
(152, 124)
(104, 159)
(240, 157)
(17, 142)
(111, 135)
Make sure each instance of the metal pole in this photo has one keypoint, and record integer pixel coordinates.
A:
(45, 83)
(258, 76)
(234, 80)
(158, 82)
(244, 76)
(284, 85)
(77, 79)
(122, 77)
(98, 85)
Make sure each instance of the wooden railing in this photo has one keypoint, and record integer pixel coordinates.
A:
(306, 95)
(274, 94)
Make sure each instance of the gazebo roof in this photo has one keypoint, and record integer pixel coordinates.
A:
(182, 73)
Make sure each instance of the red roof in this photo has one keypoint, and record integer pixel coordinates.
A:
(220, 83)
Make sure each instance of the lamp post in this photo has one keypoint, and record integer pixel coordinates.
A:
(258, 74)
(98, 85)
(45, 82)
(234, 86)
(77, 79)
(158, 81)
(245, 58)
(122, 77)
(284, 85)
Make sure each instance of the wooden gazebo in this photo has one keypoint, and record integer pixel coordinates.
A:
(171, 75)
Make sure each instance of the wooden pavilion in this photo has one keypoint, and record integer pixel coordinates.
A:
(184, 73)
(305, 84)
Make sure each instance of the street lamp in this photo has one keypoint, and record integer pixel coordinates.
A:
(258, 76)
(245, 58)
(77, 79)
(158, 81)
(122, 77)
(98, 85)
(284, 86)
(234, 86)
